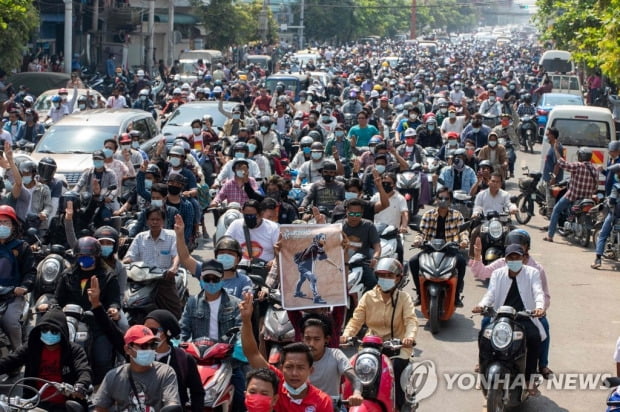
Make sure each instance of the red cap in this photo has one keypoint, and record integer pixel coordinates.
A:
(125, 138)
(428, 116)
(384, 99)
(452, 135)
(139, 334)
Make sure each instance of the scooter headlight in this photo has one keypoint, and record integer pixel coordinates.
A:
(50, 270)
(501, 336)
(215, 388)
(366, 368)
(496, 229)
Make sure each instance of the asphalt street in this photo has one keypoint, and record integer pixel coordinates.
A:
(584, 327)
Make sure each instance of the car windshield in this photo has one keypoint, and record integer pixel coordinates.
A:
(290, 85)
(184, 115)
(565, 82)
(75, 138)
(555, 100)
(579, 132)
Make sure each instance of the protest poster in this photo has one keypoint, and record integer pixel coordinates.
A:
(312, 270)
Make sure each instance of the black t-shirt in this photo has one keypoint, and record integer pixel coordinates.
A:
(514, 298)
(458, 178)
(361, 237)
(440, 233)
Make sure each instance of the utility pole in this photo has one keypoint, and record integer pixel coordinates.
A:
(301, 25)
(263, 22)
(68, 34)
(150, 44)
(412, 23)
(171, 33)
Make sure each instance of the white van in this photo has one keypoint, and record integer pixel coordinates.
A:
(588, 126)
(557, 61)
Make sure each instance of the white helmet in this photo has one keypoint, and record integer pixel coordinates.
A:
(144, 92)
(176, 91)
(140, 73)
(177, 77)
(185, 86)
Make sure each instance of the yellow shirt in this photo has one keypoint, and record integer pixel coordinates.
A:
(373, 311)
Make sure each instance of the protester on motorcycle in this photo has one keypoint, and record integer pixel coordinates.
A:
(613, 212)
(428, 133)
(261, 393)
(96, 180)
(353, 190)
(552, 172)
(310, 171)
(46, 169)
(496, 154)
(484, 176)
(240, 189)
(368, 157)
(519, 286)
(583, 184)
(57, 111)
(342, 144)
(33, 204)
(144, 102)
(142, 383)
(388, 313)
(441, 223)
(267, 137)
(361, 133)
(295, 393)
(256, 153)
(412, 121)
(165, 327)
(411, 151)
(507, 137)
(454, 122)
(327, 192)
(491, 107)
(451, 145)
(526, 107)
(18, 271)
(397, 212)
(239, 151)
(213, 296)
(476, 131)
(458, 176)
(49, 354)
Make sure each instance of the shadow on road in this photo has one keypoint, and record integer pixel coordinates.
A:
(541, 403)
(459, 328)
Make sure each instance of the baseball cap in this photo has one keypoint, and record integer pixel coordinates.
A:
(139, 334)
(515, 248)
(384, 99)
(98, 154)
(212, 267)
(125, 138)
(410, 132)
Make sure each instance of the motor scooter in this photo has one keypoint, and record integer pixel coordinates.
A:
(139, 297)
(493, 230)
(224, 216)
(613, 399)
(528, 131)
(373, 367)
(502, 358)
(578, 223)
(215, 369)
(408, 184)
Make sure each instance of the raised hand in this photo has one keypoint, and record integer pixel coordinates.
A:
(69, 210)
(94, 293)
(179, 225)
(246, 307)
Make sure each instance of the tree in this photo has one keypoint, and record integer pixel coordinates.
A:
(19, 20)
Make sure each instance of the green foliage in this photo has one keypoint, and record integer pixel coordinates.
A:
(19, 20)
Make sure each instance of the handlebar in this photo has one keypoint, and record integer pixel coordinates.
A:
(18, 402)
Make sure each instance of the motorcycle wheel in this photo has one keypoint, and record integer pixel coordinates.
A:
(523, 205)
(583, 235)
(495, 403)
(433, 314)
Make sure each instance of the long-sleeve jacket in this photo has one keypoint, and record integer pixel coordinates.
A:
(195, 318)
(452, 233)
(71, 290)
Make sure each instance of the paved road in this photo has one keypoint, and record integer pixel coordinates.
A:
(584, 327)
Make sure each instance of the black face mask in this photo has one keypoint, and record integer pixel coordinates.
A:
(251, 221)
(312, 124)
(388, 187)
(274, 195)
(328, 178)
(174, 190)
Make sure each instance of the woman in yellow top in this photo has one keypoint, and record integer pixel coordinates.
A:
(388, 313)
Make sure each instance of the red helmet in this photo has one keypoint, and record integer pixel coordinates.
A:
(63, 91)
(6, 210)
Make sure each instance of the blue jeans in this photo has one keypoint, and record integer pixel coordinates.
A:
(543, 359)
(562, 205)
(604, 233)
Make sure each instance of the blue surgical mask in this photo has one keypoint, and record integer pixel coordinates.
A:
(339, 133)
(106, 250)
(108, 152)
(380, 168)
(8, 186)
(264, 129)
(50, 338)
(196, 130)
(135, 145)
(431, 127)
(86, 261)
(236, 116)
(306, 150)
(317, 155)
(175, 342)
(293, 391)
(148, 183)
(98, 164)
(386, 284)
(157, 202)
(475, 129)
(211, 288)
(240, 174)
(228, 261)
(350, 195)
(492, 143)
(251, 147)
(175, 161)
(5, 231)
(26, 180)
(144, 357)
(239, 155)
(514, 265)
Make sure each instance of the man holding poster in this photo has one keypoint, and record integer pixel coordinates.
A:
(305, 261)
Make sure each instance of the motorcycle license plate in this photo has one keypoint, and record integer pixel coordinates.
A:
(533, 195)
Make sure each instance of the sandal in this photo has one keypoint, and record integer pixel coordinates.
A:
(548, 239)
(546, 372)
(534, 392)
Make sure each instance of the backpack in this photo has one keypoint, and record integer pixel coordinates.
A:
(11, 252)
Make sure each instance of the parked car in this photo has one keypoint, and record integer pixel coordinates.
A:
(179, 122)
(72, 140)
(38, 82)
(550, 100)
(44, 101)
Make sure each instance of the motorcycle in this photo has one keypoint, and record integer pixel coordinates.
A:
(224, 216)
(528, 132)
(373, 367)
(139, 298)
(6, 297)
(438, 281)
(493, 231)
(388, 235)
(490, 120)
(408, 184)
(11, 402)
(502, 357)
(355, 283)
(530, 195)
(463, 202)
(613, 400)
(215, 370)
(78, 321)
(578, 224)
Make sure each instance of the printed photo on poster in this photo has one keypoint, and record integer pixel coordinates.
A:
(312, 271)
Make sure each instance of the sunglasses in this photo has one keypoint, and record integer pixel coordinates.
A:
(145, 346)
(156, 331)
(210, 279)
(355, 214)
(443, 198)
(47, 329)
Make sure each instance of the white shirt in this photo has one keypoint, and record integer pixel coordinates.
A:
(227, 171)
(457, 126)
(214, 310)
(617, 352)
(116, 102)
(391, 214)
(262, 237)
(530, 290)
(57, 114)
(6, 136)
(485, 202)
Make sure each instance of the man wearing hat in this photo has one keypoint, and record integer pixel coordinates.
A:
(240, 188)
(454, 122)
(507, 137)
(428, 133)
(142, 383)
(519, 286)
(385, 110)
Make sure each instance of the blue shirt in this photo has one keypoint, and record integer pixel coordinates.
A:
(233, 286)
(550, 161)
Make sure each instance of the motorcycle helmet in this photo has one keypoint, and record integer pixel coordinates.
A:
(88, 246)
(177, 151)
(527, 98)
(144, 92)
(56, 99)
(8, 211)
(374, 141)
(389, 265)
(177, 178)
(460, 152)
(328, 165)
(518, 236)
(46, 168)
(315, 136)
(485, 163)
(306, 141)
(228, 243)
(107, 233)
(614, 146)
(28, 166)
(241, 147)
(584, 154)
(154, 170)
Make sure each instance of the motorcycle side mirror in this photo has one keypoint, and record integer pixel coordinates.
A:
(414, 227)
(258, 280)
(233, 331)
(111, 188)
(32, 231)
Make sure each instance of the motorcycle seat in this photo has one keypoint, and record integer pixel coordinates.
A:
(535, 175)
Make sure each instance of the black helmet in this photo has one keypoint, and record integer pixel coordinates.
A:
(485, 163)
(154, 170)
(46, 168)
(109, 233)
(316, 136)
(328, 165)
(518, 236)
(527, 98)
(265, 121)
(241, 146)
(88, 246)
(228, 243)
(177, 177)
(584, 154)
(27, 166)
